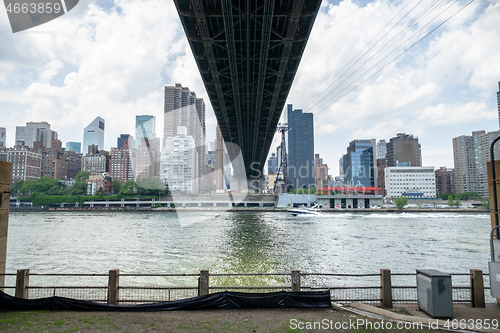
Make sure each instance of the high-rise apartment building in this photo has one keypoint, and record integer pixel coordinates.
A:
(300, 148)
(3, 137)
(404, 149)
(381, 149)
(178, 168)
(36, 134)
(147, 159)
(444, 180)
(121, 164)
(95, 163)
(54, 164)
(359, 168)
(74, 163)
(183, 108)
(93, 134)
(381, 165)
(25, 163)
(145, 127)
(470, 155)
(320, 172)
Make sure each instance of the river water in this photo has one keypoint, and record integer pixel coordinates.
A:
(239, 242)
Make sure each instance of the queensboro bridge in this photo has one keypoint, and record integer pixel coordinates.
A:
(248, 53)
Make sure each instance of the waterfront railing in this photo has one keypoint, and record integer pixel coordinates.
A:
(114, 287)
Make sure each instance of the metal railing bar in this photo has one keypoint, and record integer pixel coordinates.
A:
(338, 274)
(249, 274)
(348, 288)
(356, 300)
(223, 288)
(160, 275)
(66, 287)
(156, 288)
(67, 274)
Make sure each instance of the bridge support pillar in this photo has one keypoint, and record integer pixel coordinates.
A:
(5, 180)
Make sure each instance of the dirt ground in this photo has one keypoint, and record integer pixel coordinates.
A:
(257, 320)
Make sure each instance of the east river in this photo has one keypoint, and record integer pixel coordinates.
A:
(238, 242)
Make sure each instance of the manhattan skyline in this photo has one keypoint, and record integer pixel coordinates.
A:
(93, 62)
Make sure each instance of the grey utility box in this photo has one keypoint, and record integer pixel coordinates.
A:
(434, 295)
(494, 265)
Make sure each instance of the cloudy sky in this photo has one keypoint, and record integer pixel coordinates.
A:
(371, 69)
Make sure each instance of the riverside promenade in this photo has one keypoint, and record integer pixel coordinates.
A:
(357, 317)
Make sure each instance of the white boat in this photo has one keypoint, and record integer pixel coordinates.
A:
(304, 211)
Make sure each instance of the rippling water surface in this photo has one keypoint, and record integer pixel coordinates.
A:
(226, 242)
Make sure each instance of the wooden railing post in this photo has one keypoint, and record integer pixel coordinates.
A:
(477, 288)
(203, 283)
(22, 283)
(386, 288)
(113, 284)
(295, 280)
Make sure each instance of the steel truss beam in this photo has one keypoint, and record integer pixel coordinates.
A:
(248, 53)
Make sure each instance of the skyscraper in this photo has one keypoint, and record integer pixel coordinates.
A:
(359, 168)
(36, 132)
(74, 146)
(183, 108)
(404, 150)
(125, 141)
(145, 126)
(93, 134)
(300, 148)
(272, 164)
(3, 134)
(498, 102)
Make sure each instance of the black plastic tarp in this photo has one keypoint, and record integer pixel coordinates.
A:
(222, 300)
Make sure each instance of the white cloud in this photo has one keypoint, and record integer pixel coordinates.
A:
(114, 61)
(443, 87)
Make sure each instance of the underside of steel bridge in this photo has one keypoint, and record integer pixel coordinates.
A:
(248, 53)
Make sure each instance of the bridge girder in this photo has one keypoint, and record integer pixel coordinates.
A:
(247, 53)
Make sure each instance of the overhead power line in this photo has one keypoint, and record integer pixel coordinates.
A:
(351, 76)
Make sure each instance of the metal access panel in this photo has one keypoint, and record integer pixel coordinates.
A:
(434, 293)
(494, 267)
(494, 264)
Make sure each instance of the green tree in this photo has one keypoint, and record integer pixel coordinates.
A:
(116, 185)
(16, 188)
(79, 187)
(401, 202)
(485, 203)
(149, 185)
(82, 176)
(450, 201)
(128, 188)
